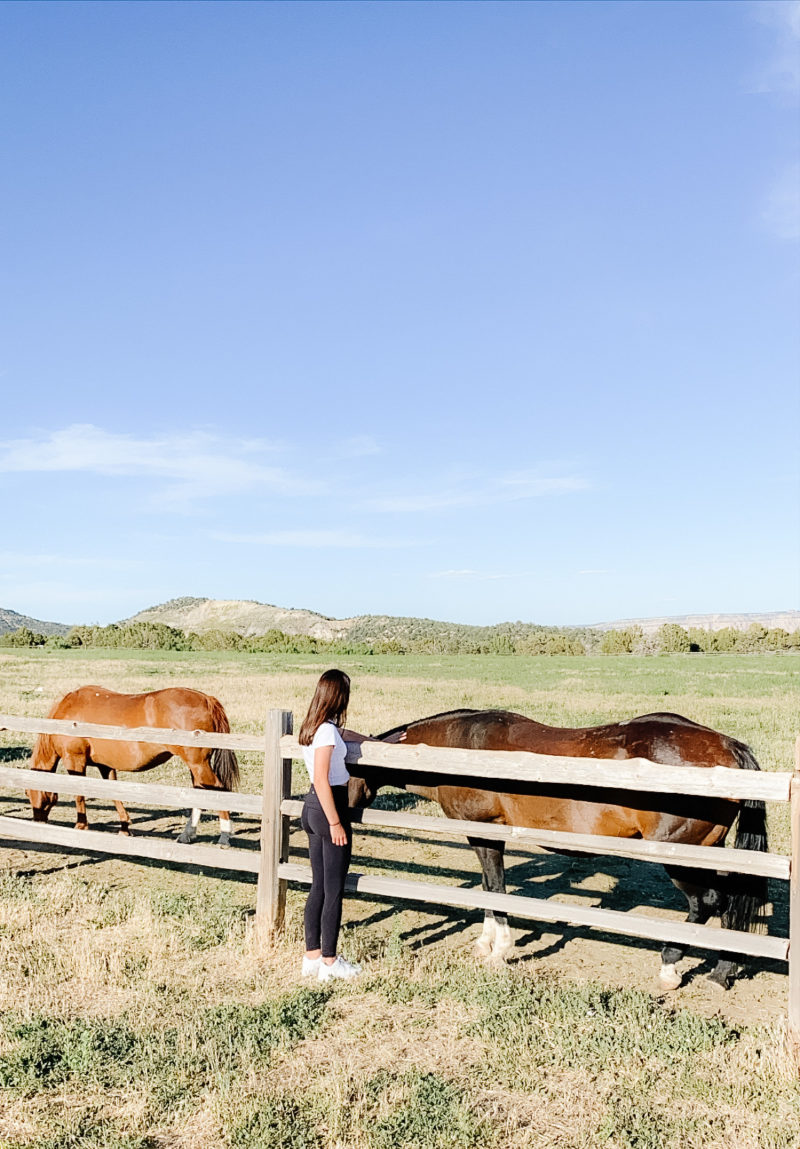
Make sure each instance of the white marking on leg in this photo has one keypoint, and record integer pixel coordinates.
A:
(669, 978)
(503, 942)
(483, 946)
(195, 818)
(225, 826)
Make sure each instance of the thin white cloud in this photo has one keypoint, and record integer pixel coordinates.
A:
(478, 576)
(315, 539)
(194, 464)
(595, 571)
(780, 71)
(781, 213)
(501, 489)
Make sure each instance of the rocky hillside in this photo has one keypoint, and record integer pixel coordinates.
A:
(10, 620)
(242, 616)
(254, 618)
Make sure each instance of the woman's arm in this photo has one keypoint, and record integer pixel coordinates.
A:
(322, 764)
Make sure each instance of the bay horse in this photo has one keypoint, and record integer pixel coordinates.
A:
(177, 707)
(665, 738)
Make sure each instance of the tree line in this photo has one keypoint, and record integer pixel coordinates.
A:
(508, 639)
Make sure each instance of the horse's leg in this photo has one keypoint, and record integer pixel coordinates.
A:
(189, 831)
(225, 829)
(204, 778)
(45, 758)
(107, 772)
(495, 941)
(703, 901)
(76, 764)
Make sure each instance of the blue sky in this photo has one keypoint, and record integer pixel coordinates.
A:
(477, 311)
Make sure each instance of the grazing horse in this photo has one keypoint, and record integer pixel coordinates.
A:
(666, 738)
(176, 708)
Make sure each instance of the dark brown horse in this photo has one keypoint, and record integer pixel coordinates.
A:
(177, 708)
(665, 738)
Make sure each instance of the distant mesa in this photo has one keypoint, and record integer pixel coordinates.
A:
(788, 620)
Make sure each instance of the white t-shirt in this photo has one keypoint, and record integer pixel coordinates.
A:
(328, 735)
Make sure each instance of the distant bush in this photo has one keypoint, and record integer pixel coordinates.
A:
(673, 639)
(22, 637)
(136, 635)
(621, 641)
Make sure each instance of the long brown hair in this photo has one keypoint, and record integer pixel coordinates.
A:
(329, 704)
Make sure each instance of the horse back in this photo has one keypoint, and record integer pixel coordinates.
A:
(668, 739)
(177, 708)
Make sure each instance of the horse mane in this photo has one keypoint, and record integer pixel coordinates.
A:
(666, 716)
(428, 718)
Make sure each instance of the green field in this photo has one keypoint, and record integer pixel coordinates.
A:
(137, 1010)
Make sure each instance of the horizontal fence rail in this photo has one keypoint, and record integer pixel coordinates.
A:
(665, 853)
(524, 906)
(136, 793)
(555, 769)
(158, 849)
(504, 765)
(205, 739)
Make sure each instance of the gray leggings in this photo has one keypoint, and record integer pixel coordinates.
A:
(329, 865)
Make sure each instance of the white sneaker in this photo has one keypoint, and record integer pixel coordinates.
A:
(340, 968)
(311, 966)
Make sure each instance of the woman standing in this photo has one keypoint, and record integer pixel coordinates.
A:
(326, 820)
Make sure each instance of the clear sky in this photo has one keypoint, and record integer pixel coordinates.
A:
(478, 311)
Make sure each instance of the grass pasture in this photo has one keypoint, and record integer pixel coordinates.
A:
(136, 1010)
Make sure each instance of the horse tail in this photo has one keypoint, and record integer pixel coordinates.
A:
(44, 755)
(224, 763)
(747, 893)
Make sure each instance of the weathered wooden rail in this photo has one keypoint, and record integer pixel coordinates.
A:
(276, 807)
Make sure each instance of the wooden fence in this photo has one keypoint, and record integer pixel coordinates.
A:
(276, 807)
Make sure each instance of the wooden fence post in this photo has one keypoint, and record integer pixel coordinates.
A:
(794, 909)
(271, 891)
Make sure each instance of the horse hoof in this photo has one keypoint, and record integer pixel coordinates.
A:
(186, 838)
(81, 825)
(669, 978)
(496, 961)
(224, 842)
(125, 832)
(721, 981)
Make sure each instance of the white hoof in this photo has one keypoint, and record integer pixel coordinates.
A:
(669, 978)
(503, 947)
(496, 960)
(482, 948)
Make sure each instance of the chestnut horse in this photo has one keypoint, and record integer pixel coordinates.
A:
(177, 708)
(665, 738)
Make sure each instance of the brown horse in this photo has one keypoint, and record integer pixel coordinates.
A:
(177, 708)
(665, 738)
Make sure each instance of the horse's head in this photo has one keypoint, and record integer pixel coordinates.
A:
(42, 802)
(362, 788)
(365, 781)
